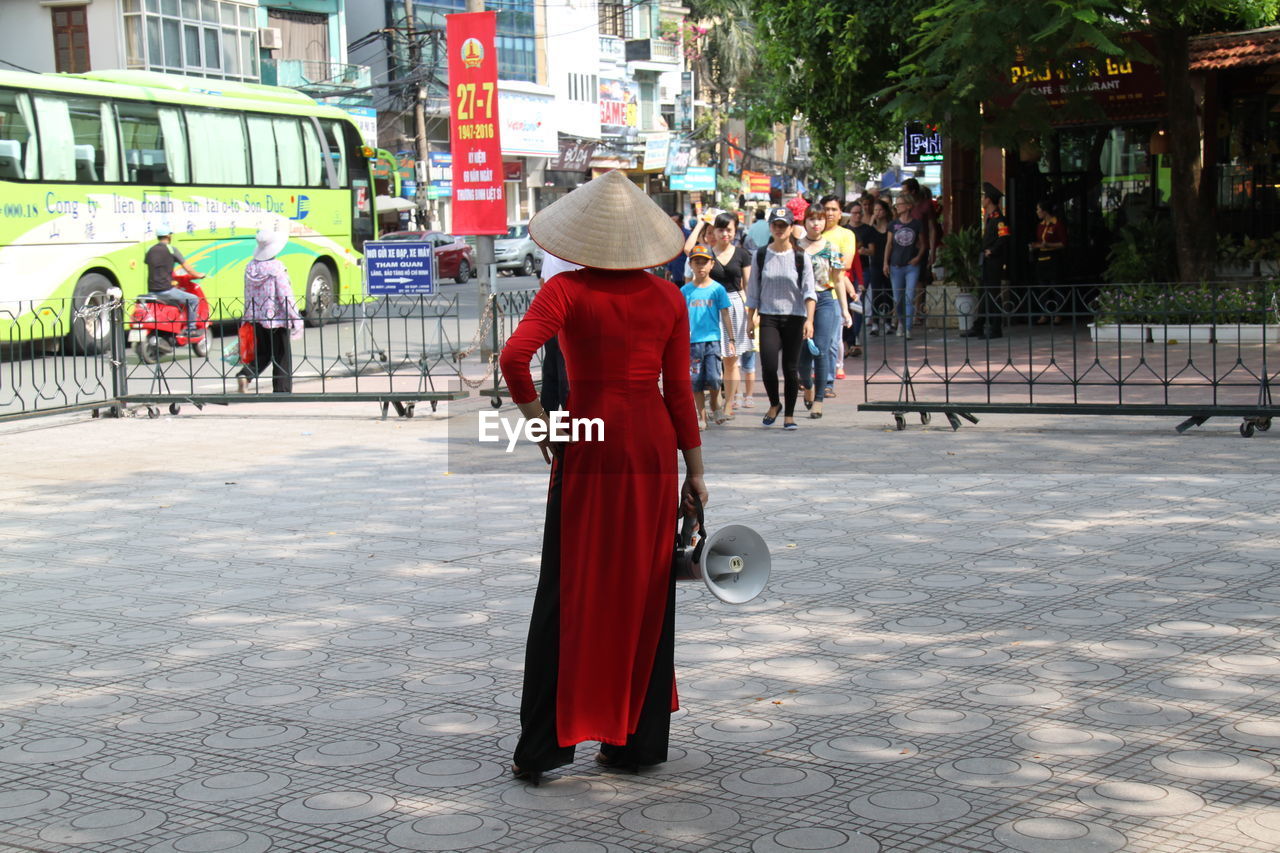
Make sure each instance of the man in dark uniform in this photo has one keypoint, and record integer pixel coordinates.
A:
(995, 254)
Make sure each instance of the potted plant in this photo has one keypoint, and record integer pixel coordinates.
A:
(960, 257)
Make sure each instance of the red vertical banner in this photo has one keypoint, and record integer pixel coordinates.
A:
(478, 206)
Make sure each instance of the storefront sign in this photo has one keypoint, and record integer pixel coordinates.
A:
(619, 106)
(1122, 88)
(478, 205)
(657, 150)
(513, 170)
(366, 118)
(921, 144)
(527, 128)
(684, 104)
(574, 156)
(440, 174)
(755, 182)
(695, 178)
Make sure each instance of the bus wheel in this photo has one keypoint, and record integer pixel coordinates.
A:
(321, 295)
(91, 320)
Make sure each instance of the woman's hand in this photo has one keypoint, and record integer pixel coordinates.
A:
(693, 488)
(848, 320)
(808, 329)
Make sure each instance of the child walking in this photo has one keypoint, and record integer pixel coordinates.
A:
(708, 303)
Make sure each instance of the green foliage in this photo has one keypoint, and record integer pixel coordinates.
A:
(1262, 255)
(960, 255)
(825, 60)
(727, 189)
(1182, 304)
(1143, 251)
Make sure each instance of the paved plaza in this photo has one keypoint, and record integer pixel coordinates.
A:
(300, 628)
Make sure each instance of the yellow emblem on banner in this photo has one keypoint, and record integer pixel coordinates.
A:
(472, 53)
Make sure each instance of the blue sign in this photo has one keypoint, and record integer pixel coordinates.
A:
(398, 267)
(695, 178)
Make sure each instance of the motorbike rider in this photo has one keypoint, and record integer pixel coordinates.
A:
(161, 259)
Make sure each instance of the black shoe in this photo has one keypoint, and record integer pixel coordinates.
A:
(533, 777)
(617, 763)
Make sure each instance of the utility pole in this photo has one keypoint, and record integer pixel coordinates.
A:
(484, 242)
(419, 115)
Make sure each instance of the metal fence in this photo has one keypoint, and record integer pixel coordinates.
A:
(396, 351)
(1187, 351)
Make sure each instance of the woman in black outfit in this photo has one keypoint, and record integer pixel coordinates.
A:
(872, 237)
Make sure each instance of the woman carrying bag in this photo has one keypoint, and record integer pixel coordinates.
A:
(270, 308)
(599, 663)
(782, 293)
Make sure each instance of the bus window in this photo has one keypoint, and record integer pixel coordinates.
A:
(154, 143)
(293, 172)
(333, 140)
(218, 147)
(314, 158)
(17, 140)
(73, 145)
(262, 151)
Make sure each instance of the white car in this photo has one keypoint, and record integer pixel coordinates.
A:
(516, 253)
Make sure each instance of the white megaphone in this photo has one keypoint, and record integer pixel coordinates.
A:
(733, 562)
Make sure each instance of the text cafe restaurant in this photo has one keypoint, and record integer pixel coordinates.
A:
(1109, 173)
(1100, 174)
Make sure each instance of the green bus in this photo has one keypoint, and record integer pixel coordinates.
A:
(92, 164)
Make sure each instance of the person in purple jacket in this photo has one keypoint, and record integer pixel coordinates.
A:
(269, 305)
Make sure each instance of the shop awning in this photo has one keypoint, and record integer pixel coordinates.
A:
(387, 204)
(1219, 51)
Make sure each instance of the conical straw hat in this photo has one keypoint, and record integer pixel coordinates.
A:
(608, 223)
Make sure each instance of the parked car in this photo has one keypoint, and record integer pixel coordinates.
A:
(516, 253)
(455, 259)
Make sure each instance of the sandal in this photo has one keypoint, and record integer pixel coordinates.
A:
(816, 414)
(718, 417)
(808, 398)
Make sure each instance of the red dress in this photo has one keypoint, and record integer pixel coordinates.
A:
(619, 332)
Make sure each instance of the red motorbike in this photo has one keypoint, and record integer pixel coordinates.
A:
(164, 327)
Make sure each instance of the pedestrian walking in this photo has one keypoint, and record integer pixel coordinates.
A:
(842, 240)
(270, 306)
(831, 308)
(902, 263)
(709, 325)
(731, 267)
(873, 242)
(599, 664)
(782, 294)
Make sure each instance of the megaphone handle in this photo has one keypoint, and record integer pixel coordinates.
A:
(702, 530)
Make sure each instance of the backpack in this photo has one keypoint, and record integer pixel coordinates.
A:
(799, 263)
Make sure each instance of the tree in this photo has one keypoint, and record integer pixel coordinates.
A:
(962, 50)
(827, 60)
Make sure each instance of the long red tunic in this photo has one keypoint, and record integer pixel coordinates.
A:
(619, 331)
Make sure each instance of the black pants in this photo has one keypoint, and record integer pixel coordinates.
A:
(271, 347)
(988, 318)
(1051, 299)
(538, 748)
(781, 335)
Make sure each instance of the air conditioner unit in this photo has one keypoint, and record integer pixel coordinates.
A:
(269, 38)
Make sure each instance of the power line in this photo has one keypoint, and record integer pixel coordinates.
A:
(19, 67)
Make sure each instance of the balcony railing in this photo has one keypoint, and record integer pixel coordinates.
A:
(313, 75)
(612, 49)
(653, 50)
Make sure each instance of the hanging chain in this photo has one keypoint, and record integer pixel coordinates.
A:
(487, 319)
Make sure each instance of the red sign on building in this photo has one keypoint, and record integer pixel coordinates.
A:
(478, 206)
